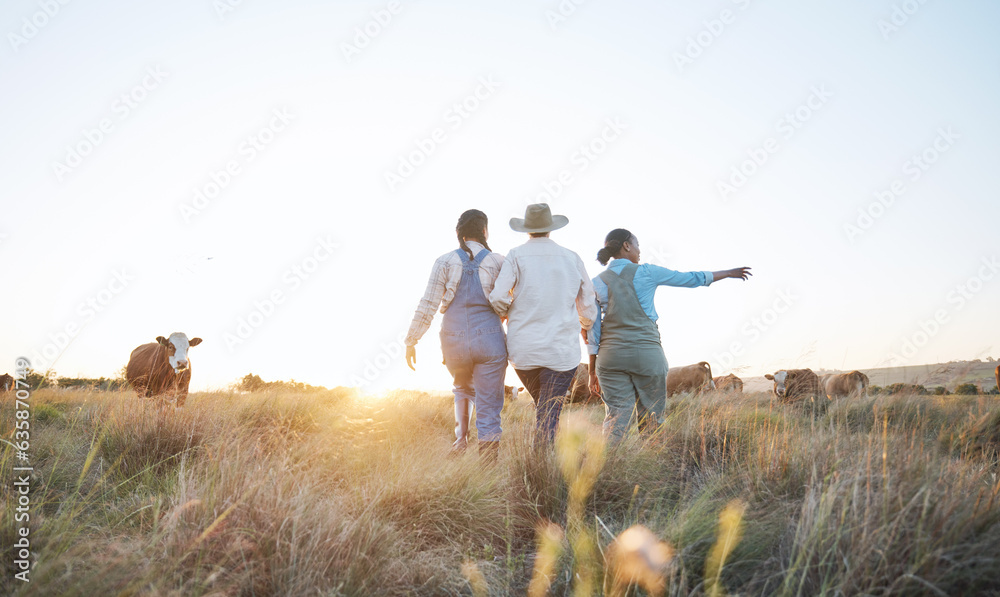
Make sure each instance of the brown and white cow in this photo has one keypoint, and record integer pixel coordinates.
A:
(162, 368)
(837, 385)
(6, 382)
(690, 378)
(729, 383)
(792, 385)
(511, 393)
(997, 372)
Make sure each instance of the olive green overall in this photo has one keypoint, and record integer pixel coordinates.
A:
(630, 362)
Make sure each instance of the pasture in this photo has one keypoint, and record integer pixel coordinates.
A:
(332, 493)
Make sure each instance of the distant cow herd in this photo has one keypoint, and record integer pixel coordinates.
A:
(162, 369)
(790, 385)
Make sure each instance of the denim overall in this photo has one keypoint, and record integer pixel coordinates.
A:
(475, 351)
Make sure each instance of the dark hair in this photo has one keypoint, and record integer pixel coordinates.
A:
(471, 224)
(613, 244)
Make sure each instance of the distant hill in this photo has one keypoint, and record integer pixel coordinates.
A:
(948, 375)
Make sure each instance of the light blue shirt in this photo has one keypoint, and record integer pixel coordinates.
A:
(647, 278)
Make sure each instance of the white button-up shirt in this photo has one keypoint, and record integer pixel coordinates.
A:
(547, 296)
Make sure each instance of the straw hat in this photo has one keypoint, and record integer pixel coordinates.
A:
(538, 218)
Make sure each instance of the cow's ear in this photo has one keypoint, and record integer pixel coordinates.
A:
(768, 376)
(194, 342)
(161, 340)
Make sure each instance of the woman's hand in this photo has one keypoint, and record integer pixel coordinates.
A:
(742, 273)
(411, 356)
(595, 385)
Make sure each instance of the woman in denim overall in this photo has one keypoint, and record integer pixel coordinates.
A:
(474, 344)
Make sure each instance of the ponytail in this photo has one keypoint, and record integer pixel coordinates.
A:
(471, 224)
(613, 245)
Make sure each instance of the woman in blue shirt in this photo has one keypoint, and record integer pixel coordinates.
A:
(627, 365)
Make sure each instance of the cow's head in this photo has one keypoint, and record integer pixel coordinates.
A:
(860, 381)
(710, 382)
(780, 380)
(177, 347)
(510, 392)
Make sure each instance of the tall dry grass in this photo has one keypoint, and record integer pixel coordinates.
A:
(332, 493)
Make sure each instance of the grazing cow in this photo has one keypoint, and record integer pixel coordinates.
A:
(836, 385)
(6, 382)
(690, 378)
(792, 385)
(511, 393)
(162, 368)
(729, 383)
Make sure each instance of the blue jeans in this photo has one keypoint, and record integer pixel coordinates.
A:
(548, 389)
(478, 368)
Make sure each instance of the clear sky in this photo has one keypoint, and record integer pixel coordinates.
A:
(179, 166)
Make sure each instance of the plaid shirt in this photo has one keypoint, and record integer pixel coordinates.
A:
(443, 283)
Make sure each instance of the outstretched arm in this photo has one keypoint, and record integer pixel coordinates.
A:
(743, 273)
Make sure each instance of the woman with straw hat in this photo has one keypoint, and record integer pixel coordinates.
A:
(545, 293)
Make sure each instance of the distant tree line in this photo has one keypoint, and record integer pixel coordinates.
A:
(51, 379)
(965, 389)
(253, 383)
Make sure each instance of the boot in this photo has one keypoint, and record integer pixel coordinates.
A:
(462, 415)
(488, 451)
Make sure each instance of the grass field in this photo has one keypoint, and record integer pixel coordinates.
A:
(329, 493)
